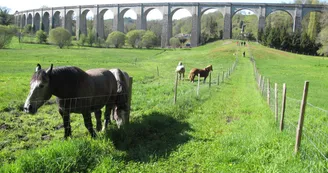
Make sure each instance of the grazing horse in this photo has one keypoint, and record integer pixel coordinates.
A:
(77, 91)
(121, 111)
(203, 72)
(180, 70)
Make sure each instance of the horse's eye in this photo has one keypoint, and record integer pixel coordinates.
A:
(41, 86)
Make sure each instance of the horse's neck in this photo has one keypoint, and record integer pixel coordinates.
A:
(65, 85)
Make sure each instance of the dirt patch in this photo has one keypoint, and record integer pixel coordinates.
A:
(230, 119)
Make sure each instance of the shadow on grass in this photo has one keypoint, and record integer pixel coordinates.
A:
(155, 135)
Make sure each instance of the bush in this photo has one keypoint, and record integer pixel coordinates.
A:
(149, 39)
(6, 34)
(134, 38)
(174, 42)
(91, 37)
(28, 29)
(60, 36)
(116, 38)
(41, 36)
(83, 39)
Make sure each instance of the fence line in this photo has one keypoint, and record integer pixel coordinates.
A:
(262, 85)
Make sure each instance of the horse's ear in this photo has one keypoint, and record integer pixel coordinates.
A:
(38, 67)
(49, 70)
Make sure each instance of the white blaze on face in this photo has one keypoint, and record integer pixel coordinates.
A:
(34, 85)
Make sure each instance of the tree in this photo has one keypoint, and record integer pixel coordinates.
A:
(83, 39)
(313, 26)
(41, 36)
(60, 36)
(91, 37)
(5, 17)
(148, 39)
(134, 38)
(6, 34)
(116, 38)
(174, 42)
(323, 39)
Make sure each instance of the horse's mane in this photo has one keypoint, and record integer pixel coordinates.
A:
(67, 80)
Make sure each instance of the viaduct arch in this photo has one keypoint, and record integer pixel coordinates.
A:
(47, 18)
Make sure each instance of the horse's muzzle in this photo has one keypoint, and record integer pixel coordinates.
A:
(29, 109)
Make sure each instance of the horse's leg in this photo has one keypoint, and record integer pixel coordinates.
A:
(67, 123)
(98, 119)
(204, 79)
(107, 116)
(88, 123)
(183, 76)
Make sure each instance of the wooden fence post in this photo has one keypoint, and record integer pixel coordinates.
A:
(198, 84)
(210, 80)
(176, 88)
(262, 87)
(276, 101)
(129, 99)
(283, 106)
(259, 82)
(223, 77)
(218, 78)
(157, 71)
(268, 92)
(301, 119)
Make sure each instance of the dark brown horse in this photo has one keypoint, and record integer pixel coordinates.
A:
(203, 72)
(121, 112)
(77, 91)
(180, 70)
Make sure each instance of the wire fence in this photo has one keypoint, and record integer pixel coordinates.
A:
(315, 130)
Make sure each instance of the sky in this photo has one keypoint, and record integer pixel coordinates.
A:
(21, 5)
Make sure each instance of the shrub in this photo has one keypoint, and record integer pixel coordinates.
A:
(41, 36)
(149, 39)
(60, 36)
(6, 34)
(91, 37)
(174, 42)
(134, 38)
(116, 38)
(83, 39)
(28, 29)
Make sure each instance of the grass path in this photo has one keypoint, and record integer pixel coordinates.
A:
(231, 132)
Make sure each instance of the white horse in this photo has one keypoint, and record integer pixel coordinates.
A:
(180, 70)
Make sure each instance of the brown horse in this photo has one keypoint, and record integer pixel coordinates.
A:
(203, 72)
(180, 70)
(77, 91)
(121, 111)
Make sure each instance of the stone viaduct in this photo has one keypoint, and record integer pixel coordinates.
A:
(46, 18)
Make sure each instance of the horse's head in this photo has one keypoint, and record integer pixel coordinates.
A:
(209, 68)
(39, 91)
(180, 63)
(121, 115)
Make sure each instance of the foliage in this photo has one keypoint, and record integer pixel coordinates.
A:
(28, 29)
(91, 37)
(116, 38)
(156, 27)
(82, 39)
(60, 36)
(313, 26)
(6, 35)
(134, 38)
(323, 39)
(41, 36)
(5, 17)
(148, 39)
(175, 42)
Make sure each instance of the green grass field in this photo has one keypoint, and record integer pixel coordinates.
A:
(228, 128)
